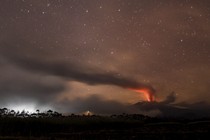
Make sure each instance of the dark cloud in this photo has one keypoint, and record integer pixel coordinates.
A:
(171, 98)
(67, 70)
(18, 84)
(30, 75)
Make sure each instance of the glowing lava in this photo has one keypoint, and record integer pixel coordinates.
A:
(147, 93)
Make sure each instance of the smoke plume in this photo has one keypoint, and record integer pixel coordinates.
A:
(68, 70)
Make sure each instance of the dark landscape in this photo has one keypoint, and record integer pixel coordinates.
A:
(53, 125)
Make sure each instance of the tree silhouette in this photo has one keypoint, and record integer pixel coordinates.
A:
(4, 111)
(37, 111)
(49, 113)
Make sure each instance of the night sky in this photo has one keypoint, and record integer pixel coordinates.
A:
(78, 55)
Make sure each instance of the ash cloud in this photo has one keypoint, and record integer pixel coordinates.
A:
(37, 75)
(171, 98)
(67, 70)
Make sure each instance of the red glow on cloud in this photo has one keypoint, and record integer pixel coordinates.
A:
(149, 95)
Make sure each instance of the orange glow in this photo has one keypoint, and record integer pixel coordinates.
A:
(147, 93)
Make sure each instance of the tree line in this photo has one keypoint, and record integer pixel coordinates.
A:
(5, 112)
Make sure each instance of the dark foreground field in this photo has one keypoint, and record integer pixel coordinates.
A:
(100, 127)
